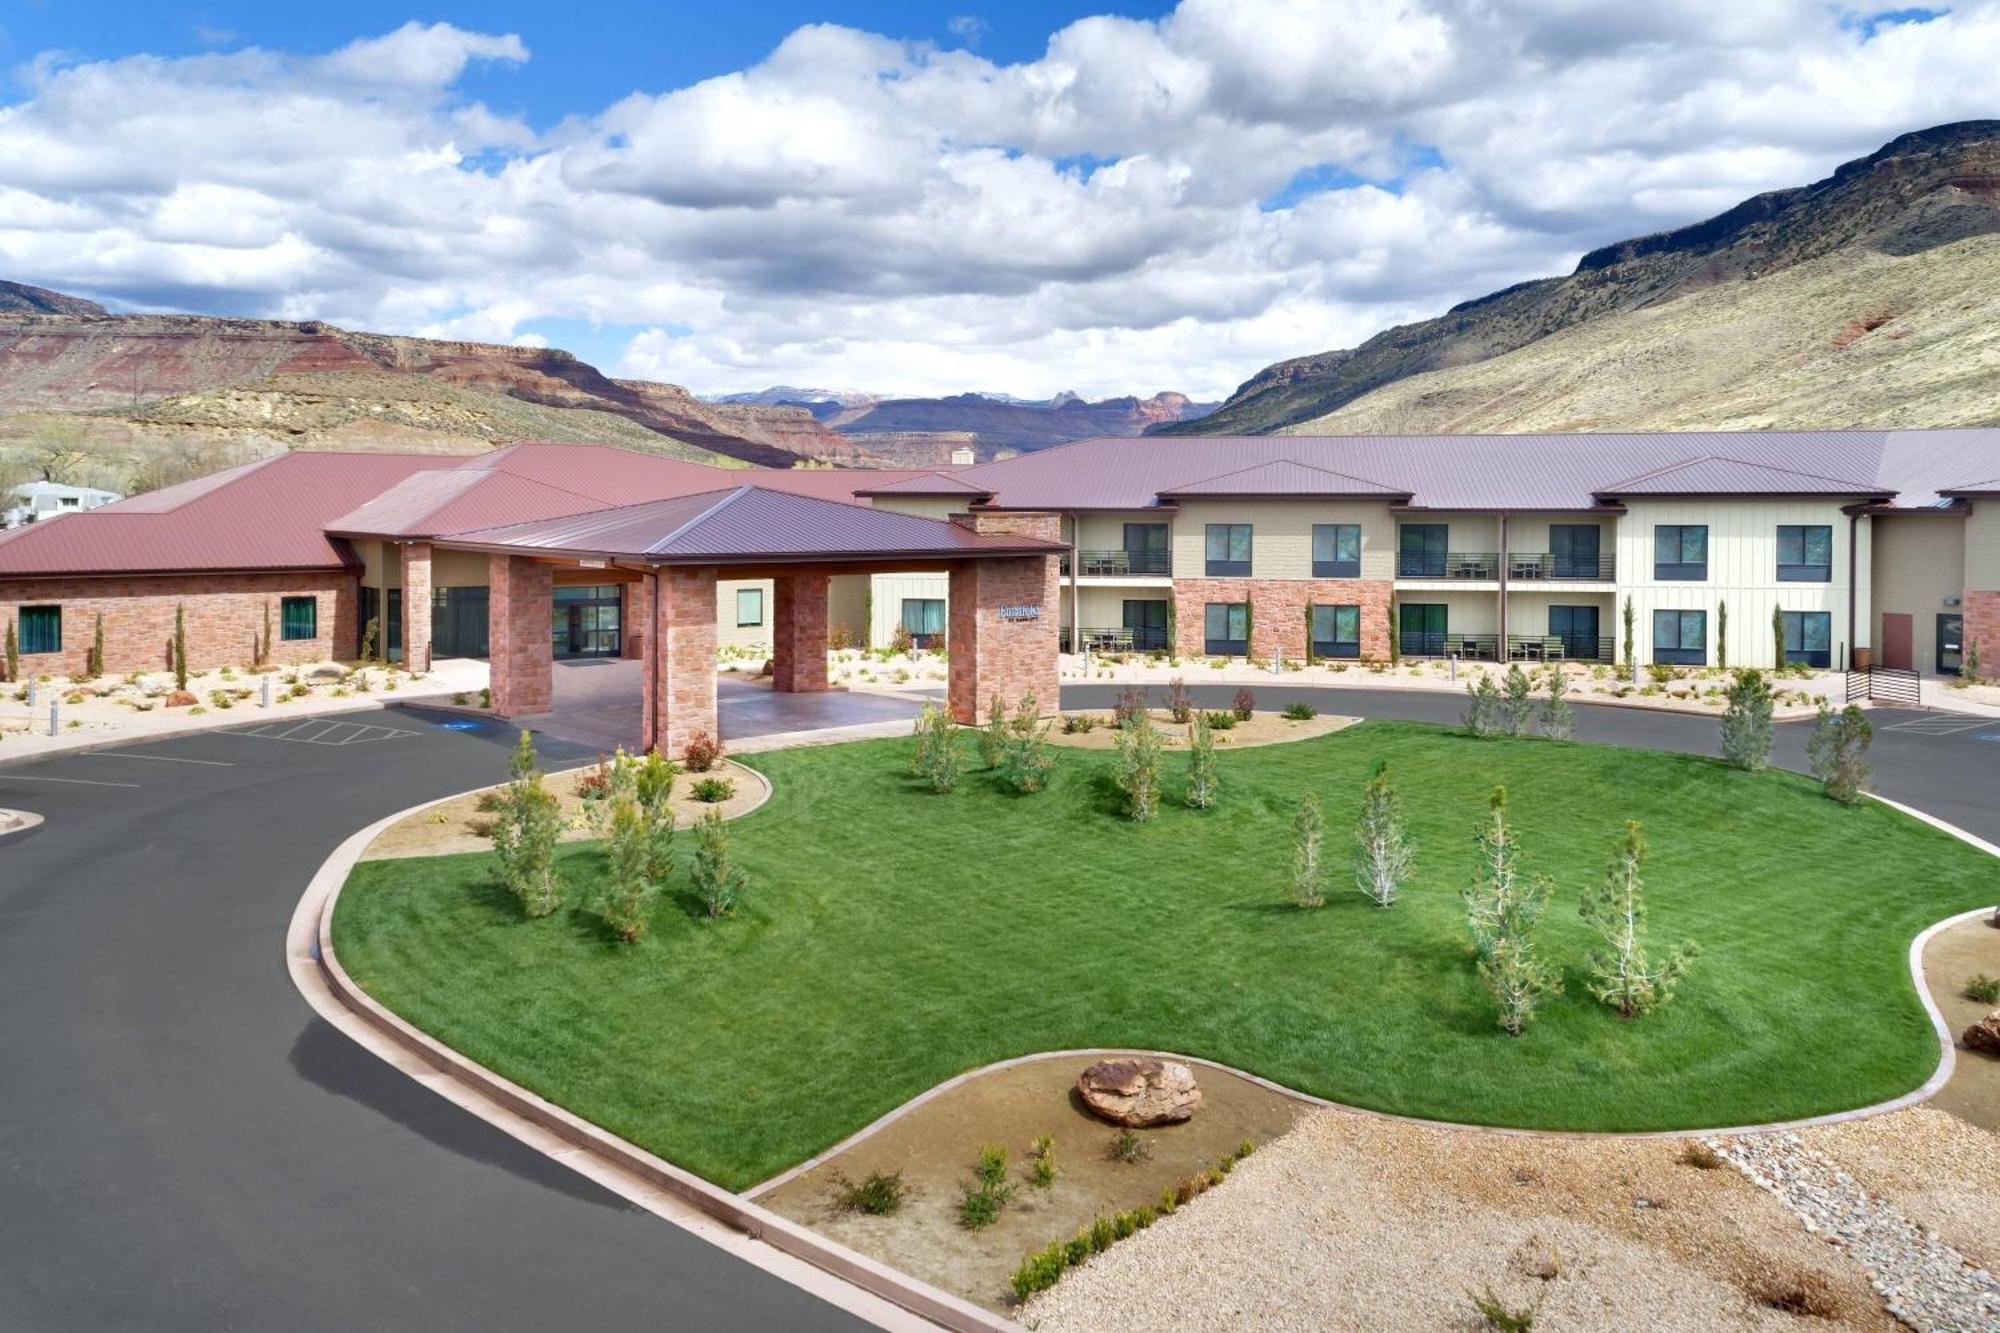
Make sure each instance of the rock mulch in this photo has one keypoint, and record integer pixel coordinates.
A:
(1925, 1282)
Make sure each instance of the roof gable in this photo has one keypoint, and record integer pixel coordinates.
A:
(1282, 476)
(1714, 474)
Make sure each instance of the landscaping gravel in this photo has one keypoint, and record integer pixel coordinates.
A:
(1924, 1281)
(1355, 1222)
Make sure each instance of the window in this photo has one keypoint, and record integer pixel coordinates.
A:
(41, 629)
(1336, 550)
(1420, 550)
(1423, 629)
(1576, 626)
(1226, 629)
(1680, 551)
(749, 606)
(923, 617)
(1228, 549)
(1146, 549)
(1809, 637)
(1680, 638)
(1573, 551)
(299, 618)
(1805, 554)
(1148, 622)
(1336, 631)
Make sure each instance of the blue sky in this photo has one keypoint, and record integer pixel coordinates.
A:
(1111, 198)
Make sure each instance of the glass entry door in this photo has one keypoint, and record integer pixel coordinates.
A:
(1148, 622)
(1576, 626)
(585, 622)
(1950, 644)
(1573, 551)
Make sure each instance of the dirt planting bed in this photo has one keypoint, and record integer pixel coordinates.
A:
(1260, 729)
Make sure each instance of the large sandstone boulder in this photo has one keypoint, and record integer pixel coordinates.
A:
(1984, 1035)
(1140, 1092)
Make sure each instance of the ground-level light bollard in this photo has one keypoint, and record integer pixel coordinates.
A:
(54, 723)
(267, 691)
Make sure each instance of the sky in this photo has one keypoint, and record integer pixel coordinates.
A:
(917, 199)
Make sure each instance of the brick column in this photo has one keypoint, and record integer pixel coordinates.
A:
(416, 560)
(520, 593)
(679, 690)
(798, 633)
(1003, 621)
(633, 618)
(1981, 625)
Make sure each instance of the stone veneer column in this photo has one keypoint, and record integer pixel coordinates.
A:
(416, 562)
(1005, 656)
(798, 632)
(520, 653)
(633, 618)
(1981, 625)
(679, 691)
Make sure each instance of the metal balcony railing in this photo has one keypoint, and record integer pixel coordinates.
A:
(1116, 639)
(1559, 647)
(1479, 647)
(1526, 567)
(1469, 565)
(1114, 564)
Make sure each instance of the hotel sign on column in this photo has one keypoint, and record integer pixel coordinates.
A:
(1020, 613)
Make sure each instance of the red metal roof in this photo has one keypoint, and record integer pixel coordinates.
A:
(271, 514)
(1282, 477)
(1714, 475)
(748, 523)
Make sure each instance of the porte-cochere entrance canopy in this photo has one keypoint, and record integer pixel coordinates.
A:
(1002, 631)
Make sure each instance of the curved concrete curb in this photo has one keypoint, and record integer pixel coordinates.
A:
(833, 1272)
(18, 821)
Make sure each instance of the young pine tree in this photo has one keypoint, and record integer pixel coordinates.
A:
(1203, 784)
(1557, 717)
(942, 762)
(623, 906)
(1746, 721)
(1517, 709)
(97, 647)
(1025, 758)
(1383, 851)
(13, 663)
(1621, 975)
(1631, 643)
(1139, 766)
(922, 736)
(993, 738)
(717, 881)
(1482, 707)
(1501, 908)
(1517, 983)
(1837, 751)
(1308, 881)
(524, 835)
(1722, 635)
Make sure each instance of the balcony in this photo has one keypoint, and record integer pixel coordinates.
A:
(1559, 648)
(1526, 567)
(1470, 566)
(1473, 647)
(1120, 564)
(1116, 639)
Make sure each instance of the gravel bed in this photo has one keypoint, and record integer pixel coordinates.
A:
(1923, 1281)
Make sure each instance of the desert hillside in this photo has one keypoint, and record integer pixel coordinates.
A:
(1744, 306)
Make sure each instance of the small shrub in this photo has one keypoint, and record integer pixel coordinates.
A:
(1746, 722)
(1243, 705)
(879, 1195)
(1130, 706)
(717, 881)
(1080, 724)
(702, 753)
(1517, 708)
(1482, 707)
(1129, 1148)
(1835, 751)
(979, 1209)
(524, 835)
(1308, 879)
(1139, 767)
(1984, 989)
(1203, 782)
(460, 698)
(935, 757)
(1042, 1162)
(713, 791)
(1220, 721)
(901, 642)
(221, 699)
(1103, 1234)
(486, 697)
(992, 1167)
(1025, 760)
(1180, 700)
(993, 736)
(1500, 1315)
(1557, 717)
(1700, 1156)
(1300, 712)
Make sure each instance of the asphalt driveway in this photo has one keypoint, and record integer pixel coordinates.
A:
(184, 1145)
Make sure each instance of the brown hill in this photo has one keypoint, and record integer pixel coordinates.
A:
(1923, 192)
(18, 297)
(997, 425)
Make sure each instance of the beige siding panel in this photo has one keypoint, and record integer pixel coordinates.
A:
(1528, 612)
(1469, 613)
(1920, 561)
(923, 506)
(1281, 535)
(889, 592)
(847, 604)
(1469, 532)
(730, 634)
(458, 569)
(1982, 545)
(1528, 534)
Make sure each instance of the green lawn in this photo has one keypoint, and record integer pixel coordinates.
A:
(894, 938)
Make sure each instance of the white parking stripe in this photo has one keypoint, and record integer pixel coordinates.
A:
(155, 758)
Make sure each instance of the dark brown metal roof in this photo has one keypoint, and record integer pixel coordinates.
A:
(1715, 475)
(747, 524)
(1282, 479)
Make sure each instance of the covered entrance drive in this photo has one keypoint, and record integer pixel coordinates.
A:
(663, 559)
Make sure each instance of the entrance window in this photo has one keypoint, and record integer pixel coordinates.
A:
(1336, 631)
(300, 618)
(1336, 550)
(1227, 548)
(1420, 550)
(1680, 638)
(1226, 629)
(1809, 637)
(370, 615)
(393, 640)
(1805, 553)
(749, 607)
(1680, 551)
(1950, 644)
(585, 621)
(41, 629)
(923, 617)
(458, 622)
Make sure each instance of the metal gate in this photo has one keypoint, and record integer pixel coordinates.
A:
(1889, 685)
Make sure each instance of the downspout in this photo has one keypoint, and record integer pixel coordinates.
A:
(650, 740)
(1853, 566)
(1075, 593)
(1501, 652)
